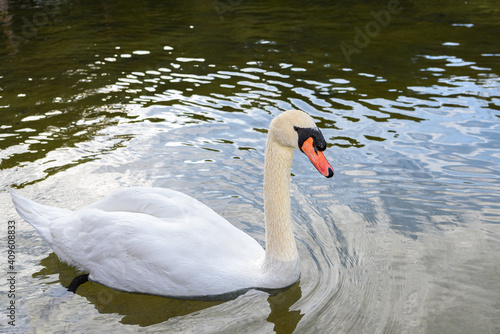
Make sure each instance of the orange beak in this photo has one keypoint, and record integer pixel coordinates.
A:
(317, 158)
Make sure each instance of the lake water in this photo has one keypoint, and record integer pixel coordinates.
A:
(405, 238)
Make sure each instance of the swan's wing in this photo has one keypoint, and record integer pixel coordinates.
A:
(156, 202)
(148, 252)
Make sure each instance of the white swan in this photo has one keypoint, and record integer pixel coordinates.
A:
(163, 242)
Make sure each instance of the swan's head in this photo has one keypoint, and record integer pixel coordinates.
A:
(295, 128)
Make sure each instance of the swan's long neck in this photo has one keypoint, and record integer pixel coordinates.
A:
(280, 242)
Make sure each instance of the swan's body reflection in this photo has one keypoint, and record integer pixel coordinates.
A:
(147, 310)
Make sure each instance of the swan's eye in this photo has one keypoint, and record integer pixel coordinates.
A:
(319, 141)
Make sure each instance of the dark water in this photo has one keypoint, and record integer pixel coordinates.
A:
(98, 95)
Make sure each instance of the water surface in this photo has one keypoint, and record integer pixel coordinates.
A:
(404, 239)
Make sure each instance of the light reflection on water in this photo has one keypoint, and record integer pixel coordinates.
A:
(404, 238)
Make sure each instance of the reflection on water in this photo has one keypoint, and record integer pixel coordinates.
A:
(146, 310)
(405, 237)
(143, 310)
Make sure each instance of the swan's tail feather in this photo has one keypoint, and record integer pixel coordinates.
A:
(38, 215)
